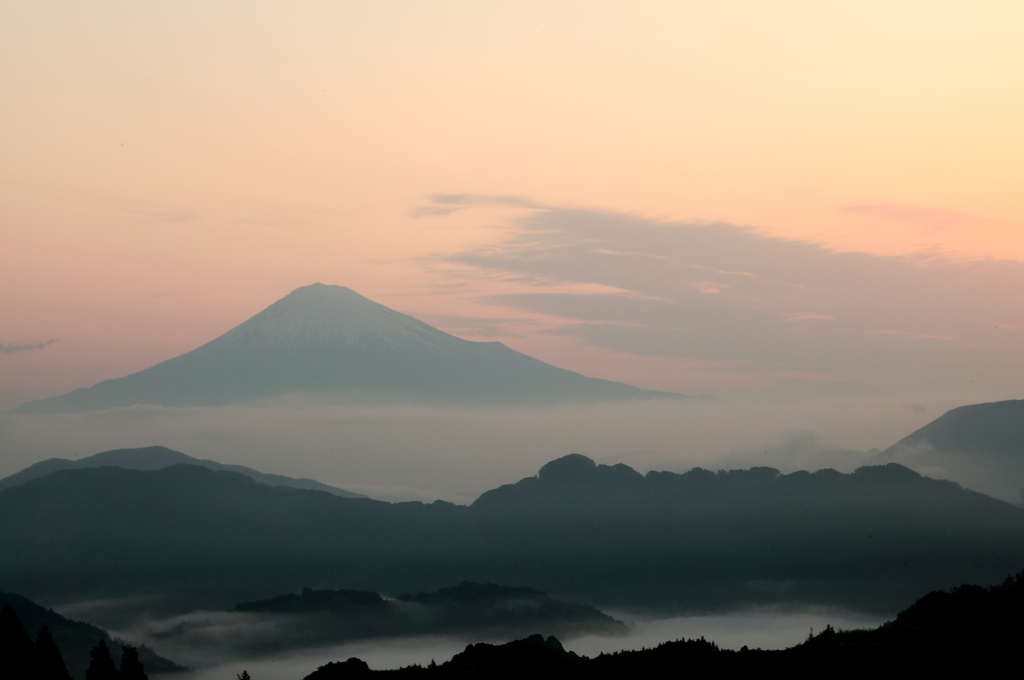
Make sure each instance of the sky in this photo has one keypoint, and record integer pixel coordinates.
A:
(755, 201)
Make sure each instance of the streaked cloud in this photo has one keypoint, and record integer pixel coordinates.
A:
(932, 219)
(782, 309)
(158, 212)
(11, 349)
(446, 204)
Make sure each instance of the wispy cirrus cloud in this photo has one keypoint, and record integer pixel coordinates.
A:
(27, 347)
(931, 219)
(441, 205)
(159, 212)
(726, 293)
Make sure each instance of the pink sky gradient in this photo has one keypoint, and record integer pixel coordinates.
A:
(170, 169)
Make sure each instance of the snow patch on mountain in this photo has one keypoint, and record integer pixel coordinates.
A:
(323, 316)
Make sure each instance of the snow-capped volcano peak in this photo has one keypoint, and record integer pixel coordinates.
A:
(319, 315)
(331, 342)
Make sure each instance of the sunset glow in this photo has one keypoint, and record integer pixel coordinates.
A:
(169, 169)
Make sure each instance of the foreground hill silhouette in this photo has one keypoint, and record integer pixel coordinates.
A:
(332, 343)
(968, 631)
(74, 639)
(579, 531)
(980, 445)
(157, 458)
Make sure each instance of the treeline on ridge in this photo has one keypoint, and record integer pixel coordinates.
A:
(75, 639)
(21, 659)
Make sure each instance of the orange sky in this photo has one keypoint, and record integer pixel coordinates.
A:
(169, 169)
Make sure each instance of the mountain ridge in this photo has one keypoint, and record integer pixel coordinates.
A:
(157, 458)
(331, 342)
(76, 638)
(978, 445)
(995, 426)
(964, 631)
(581, 531)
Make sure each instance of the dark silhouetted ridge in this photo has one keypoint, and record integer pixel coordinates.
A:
(310, 600)
(472, 592)
(968, 631)
(317, 617)
(75, 639)
(157, 458)
(578, 530)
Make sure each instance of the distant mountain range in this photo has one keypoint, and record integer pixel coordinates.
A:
(332, 343)
(980, 446)
(157, 458)
(583, 532)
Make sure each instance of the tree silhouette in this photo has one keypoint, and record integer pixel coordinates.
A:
(101, 667)
(16, 651)
(244, 675)
(131, 667)
(49, 661)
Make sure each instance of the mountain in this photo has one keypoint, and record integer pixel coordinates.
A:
(157, 458)
(583, 532)
(995, 427)
(980, 446)
(75, 638)
(331, 342)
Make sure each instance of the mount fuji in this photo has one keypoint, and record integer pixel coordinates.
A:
(332, 343)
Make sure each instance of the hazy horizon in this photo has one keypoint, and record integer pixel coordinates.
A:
(808, 212)
(422, 453)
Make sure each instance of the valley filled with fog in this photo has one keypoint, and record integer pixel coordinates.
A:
(766, 628)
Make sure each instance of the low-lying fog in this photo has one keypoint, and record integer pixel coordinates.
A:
(410, 453)
(766, 628)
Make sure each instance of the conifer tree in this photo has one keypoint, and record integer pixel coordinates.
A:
(131, 667)
(49, 660)
(17, 654)
(101, 667)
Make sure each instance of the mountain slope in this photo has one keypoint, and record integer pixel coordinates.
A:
(996, 427)
(980, 446)
(332, 342)
(580, 531)
(75, 638)
(157, 458)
